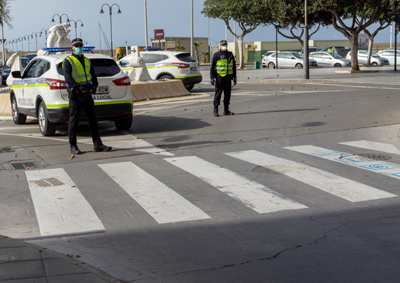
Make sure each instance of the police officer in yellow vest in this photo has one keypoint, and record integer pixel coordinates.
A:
(222, 73)
(82, 83)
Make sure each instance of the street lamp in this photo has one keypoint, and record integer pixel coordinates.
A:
(26, 37)
(395, 38)
(277, 27)
(21, 39)
(76, 27)
(306, 68)
(52, 18)
(45, 31)
(145, 23)
(119, 12)
(35, 33)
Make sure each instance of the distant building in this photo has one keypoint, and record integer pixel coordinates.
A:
(170, 43)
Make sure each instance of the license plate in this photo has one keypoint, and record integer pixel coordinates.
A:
(102, 90)
(193, 69)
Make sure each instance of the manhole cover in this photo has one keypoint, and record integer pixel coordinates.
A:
(23, 165)
(375, 157)
(277, 169)
(49, 182)
(6, 149)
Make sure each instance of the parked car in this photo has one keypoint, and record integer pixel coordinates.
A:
(41, 91)
(264, 58)
(389, 55)
(332, 48)
(168, 65)
(30, 56)
(310, 49)
(376, 60)
(288, 59)
(5, 71)
(329, 59)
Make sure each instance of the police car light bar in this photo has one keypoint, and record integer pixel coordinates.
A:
(63, 49)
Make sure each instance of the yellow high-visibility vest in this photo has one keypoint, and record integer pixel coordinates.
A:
(80, 74)
(223, 67)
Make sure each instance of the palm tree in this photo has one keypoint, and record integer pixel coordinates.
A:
(5, 18)
(180, 47)
(196, 45)
(205, 55)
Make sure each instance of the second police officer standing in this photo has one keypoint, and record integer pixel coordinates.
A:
(82, 83)
(222, 73)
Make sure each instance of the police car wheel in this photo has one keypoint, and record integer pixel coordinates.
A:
(45, 126)
(123, 124)
(165, 77)
(189, 87)
(18, 118)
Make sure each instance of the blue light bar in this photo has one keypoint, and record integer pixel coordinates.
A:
(63, 49)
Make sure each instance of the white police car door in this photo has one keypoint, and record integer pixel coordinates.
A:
(29, 82)
(153, 64)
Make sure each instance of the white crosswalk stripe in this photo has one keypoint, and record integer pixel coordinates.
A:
(384, 147)
(59, 205)
(249, 193)
(162, 203)
(322, 180)
(381, 167)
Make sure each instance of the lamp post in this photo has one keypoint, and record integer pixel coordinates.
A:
(395, 38)
(102, 12)
(145, 23)
(35, 33)
(306, 68)
(52, 18)
(191, 37)
(277, 27)
(45, 32)
(26, 37)
(76, 26)
(21, 39)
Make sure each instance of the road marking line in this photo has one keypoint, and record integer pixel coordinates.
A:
(322, 180)
(384, 147)
(254, 195)
(61, 209)
(161, 202)
(313, 91)
(354, 86)
(381, 167)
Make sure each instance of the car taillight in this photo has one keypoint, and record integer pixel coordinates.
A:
(56, 84)
(122, 81)
(181, 65)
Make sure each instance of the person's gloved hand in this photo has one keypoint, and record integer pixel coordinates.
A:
(213, 81)
(234, 81)
(94, 89)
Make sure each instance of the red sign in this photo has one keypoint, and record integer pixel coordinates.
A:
(159, 34)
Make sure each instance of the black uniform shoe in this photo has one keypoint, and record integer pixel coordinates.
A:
(216, 111)
(102, 147)
(75, 149)
(227, 112)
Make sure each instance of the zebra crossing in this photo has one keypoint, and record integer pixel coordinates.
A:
(61, 208)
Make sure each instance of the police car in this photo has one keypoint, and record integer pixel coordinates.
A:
(168, 65)
(41, 91)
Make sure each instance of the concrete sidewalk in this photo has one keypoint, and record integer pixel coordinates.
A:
(21, 262)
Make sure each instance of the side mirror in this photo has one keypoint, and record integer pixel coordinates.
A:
(16, 74)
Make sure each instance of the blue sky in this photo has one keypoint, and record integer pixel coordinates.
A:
(174, 16)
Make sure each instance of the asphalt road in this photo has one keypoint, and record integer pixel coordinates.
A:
(266, 195)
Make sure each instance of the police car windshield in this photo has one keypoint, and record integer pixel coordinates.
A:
(102, 67)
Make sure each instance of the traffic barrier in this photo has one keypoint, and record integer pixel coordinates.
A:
(5, 104)
(157, 89)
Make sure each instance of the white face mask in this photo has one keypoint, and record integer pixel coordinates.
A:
(223, 48)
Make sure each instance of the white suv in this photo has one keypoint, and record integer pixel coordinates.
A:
(168, 65)
(41, 91)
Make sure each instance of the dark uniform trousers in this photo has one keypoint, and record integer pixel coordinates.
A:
(75, 109)
(223, 84)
